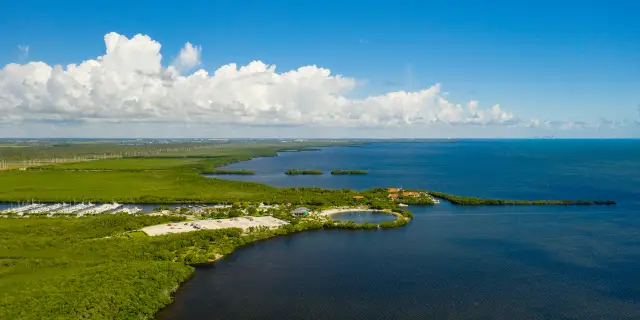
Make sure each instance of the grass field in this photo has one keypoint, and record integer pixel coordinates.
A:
(129, 164)
(127, 187)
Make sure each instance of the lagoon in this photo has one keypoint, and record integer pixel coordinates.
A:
(364, 216)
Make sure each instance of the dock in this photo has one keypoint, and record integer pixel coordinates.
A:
(80, 209)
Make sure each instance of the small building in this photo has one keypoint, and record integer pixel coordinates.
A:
(411, 194)
(358, 197)
(393, 196)
(301, 211)
(394, 190)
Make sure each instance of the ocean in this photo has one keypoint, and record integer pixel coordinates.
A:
(449, 262)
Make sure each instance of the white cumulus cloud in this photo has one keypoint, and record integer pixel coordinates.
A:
(130, 84)
(188, 58)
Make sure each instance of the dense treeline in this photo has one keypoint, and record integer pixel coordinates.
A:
(95, 267)
(460, 200)
(424, 200)
(339, 172)
(46, 150)
(297, 172)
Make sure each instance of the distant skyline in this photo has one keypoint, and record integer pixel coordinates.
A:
(460, 69)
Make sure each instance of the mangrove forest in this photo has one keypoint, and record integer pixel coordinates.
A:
(341, 172)
(298, 172)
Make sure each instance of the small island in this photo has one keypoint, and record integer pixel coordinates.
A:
(299, 172)
(341, 172)
(230, 172)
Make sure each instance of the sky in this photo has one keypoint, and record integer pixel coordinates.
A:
(333, 69)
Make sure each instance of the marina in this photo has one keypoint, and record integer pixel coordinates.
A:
(79, 209)
(48, 209)
(88, 208)
(107, 207)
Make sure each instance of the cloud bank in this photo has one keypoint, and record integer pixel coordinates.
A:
(129, 84)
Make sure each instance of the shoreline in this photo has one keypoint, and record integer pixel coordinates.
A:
(313, 226)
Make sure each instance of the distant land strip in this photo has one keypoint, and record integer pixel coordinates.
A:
(298, 172)
(471, 201)
(340, 172)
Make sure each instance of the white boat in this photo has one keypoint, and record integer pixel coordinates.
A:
(76, 208)
(101, 208)
(24, 208)
(49, 208)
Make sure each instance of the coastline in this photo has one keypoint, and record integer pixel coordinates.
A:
(324, 213)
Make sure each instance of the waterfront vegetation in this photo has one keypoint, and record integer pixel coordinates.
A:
(297, 172)
(229, 172)
(100, 267)
(460, 200)
(340, 172)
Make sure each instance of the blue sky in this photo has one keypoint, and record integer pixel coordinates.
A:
(551, 60)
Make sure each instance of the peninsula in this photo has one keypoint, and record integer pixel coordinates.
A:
(471, 201)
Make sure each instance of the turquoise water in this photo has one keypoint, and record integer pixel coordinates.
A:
(535, 262)
(364, 216)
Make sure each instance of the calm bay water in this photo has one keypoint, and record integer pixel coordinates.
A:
(364, 217)
(449, 262)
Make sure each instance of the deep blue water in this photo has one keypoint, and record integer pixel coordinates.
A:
(364, 216)
(534, 262)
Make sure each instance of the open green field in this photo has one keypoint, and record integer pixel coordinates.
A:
(126, 187)
(128, 164)
(48, 150)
